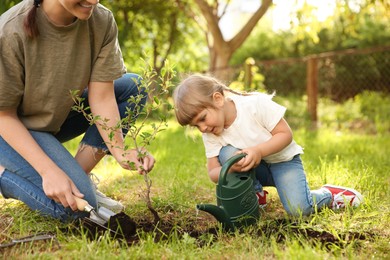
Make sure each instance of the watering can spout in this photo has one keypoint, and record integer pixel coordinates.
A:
(217, 212)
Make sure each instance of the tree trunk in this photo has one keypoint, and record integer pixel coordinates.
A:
(220, 50)
(219, 61)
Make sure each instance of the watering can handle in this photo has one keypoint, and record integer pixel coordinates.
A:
(226, 166)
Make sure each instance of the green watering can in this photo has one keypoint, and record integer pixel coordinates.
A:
(237, 204)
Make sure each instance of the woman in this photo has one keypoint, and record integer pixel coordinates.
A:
(49, 49)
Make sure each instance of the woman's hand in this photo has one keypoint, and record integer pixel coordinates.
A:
(60, 188)
(139, 160)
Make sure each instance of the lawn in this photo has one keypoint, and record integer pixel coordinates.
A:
(180, 182)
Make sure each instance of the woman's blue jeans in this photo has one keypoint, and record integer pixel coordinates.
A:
(20, 181)
(289, 178)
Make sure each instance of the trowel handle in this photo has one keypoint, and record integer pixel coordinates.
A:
(226, 166)
(82, 204)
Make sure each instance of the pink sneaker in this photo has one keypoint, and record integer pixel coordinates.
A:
(262, 198)
(342, 196)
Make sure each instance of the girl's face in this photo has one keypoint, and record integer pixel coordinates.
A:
(64, 12)
(212, 119)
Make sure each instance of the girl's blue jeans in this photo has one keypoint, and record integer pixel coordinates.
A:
(289, 179)
(20, 181)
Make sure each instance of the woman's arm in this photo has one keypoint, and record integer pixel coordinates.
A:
(102, 102)
(56, 184)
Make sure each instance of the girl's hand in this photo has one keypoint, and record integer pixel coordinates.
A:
(141, 161)
(60, 188)
(250, 161)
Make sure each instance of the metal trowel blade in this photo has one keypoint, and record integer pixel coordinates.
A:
(98, 226)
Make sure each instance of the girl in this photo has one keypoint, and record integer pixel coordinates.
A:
(48, 48)
(253, 124)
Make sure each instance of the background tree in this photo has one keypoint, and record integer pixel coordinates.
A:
(158, 29)
(221, 50)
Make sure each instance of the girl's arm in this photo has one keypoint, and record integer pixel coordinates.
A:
(102, 102)
(214, 168)
(281, 138)
(56, 184)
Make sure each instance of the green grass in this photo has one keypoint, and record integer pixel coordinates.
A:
(180, 181)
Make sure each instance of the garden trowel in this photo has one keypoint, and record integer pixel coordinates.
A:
(119, 225)
(102, 216)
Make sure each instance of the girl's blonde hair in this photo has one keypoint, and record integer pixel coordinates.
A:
(194, 94)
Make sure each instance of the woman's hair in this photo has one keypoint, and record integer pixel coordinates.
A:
(194, 94)
(30, 24)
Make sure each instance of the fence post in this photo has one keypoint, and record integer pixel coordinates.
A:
(249, 63)
(312, 87)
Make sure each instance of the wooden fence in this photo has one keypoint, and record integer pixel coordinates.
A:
(338, 75)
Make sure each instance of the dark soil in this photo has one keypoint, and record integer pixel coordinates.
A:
(122, 227)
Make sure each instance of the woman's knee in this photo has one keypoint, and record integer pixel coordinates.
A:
(127, 86)
(129, 93)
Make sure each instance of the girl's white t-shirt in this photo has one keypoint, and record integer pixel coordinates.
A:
(257, 116)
